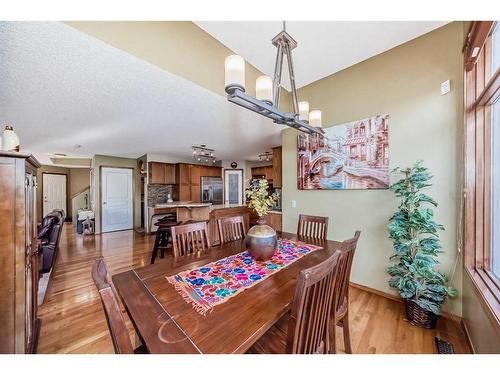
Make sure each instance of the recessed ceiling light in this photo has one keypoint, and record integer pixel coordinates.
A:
(77, 146)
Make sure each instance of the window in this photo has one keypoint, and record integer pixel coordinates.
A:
(495, 189)
(495, 50)
(482, 162)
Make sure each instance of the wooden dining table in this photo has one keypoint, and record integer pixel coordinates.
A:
(166, 323)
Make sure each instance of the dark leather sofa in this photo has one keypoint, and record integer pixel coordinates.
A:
(49, 233)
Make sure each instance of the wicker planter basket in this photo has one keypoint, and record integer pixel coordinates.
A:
(420, 317)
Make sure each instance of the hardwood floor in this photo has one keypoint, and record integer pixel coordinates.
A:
(73, 320)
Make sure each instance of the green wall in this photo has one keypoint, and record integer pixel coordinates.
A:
(403, 82)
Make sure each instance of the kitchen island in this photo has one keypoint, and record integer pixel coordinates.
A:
(225, 210)
(183, 211)
(208, 212)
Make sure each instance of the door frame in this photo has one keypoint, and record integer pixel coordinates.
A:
(67, 187)
(242, 183)
(100, 196)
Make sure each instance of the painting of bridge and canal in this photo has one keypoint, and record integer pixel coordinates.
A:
(353, 155)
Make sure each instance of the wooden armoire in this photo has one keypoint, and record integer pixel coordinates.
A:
(18, 253)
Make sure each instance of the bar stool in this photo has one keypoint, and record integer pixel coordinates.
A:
(163, 238)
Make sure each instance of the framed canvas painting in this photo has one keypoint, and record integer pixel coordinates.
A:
(353, 155)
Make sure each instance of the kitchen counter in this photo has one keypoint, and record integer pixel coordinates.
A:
(183, 210)
(224, 206)
(182, 204)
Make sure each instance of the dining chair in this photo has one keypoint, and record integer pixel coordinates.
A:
(308, 323)
(340, 313)
(231, 228)
(114, 317)
(189, 239)
(313, 226)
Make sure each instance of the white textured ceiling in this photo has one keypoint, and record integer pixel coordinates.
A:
(324, 47)
(60, 87)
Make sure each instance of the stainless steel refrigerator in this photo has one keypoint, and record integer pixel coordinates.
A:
(212, 190)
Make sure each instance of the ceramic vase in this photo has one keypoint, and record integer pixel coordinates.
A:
(261, 241)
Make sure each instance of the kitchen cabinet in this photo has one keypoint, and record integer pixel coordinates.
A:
(19, 253)
(196, 173)
(266, 172)
(215, 172)
(184, 192)
(162, 173)
(195, 193)
(277, 169)
(273, 219)
(170, 178)
(183, 172)
(189, 179)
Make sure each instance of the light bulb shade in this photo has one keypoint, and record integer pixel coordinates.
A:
(315, 118)
(264, 89)
(10, 140)
(234, 72)
(304, 111)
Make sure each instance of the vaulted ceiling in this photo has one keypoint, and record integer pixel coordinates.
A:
(324, 47)
(61, 87)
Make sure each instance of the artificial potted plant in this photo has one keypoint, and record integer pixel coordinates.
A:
(416, 243)
(261, 239)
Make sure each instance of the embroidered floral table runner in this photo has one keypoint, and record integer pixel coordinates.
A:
(214, 283)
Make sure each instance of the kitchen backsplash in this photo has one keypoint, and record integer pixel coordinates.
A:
(158, 194)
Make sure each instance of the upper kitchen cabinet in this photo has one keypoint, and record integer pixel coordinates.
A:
(277, 160)
(196, 173)
(212, 171)
(189, 179)
(183, 173)
(265, 172)
(162, 173)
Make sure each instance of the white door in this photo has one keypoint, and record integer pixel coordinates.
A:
(116, 199)
(54, 192)
(233, 186)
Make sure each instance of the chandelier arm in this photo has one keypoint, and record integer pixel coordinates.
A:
(278, 66)
(295, 99)
(258, 106)
(255, 108)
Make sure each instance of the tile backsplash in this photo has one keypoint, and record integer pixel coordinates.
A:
(158, 194)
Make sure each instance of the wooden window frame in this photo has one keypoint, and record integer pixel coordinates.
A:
(482, 89)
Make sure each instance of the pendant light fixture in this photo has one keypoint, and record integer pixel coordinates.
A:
(203, 154)
(266, 102)
(266, 156)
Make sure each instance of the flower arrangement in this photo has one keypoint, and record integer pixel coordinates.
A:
(416, 243)
(259, 198)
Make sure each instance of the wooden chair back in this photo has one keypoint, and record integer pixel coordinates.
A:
(116, 323)
(308, 326)
(347, 250)
(231, 228)
(189, 239)
(313, 226)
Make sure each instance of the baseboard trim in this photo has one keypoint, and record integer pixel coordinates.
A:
(393, 297)
(376, 291)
